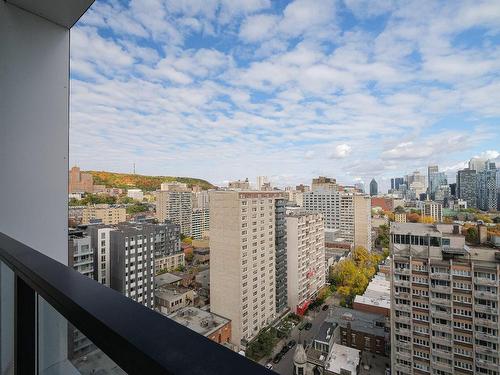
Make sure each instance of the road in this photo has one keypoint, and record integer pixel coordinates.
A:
(285, 366)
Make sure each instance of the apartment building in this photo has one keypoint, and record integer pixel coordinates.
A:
(239, 185)
(324, 183)
(124, 257)
(169, 262)
(467, 186)
(281, 255)
(305, 249)
(432, 209)
(487, 187)
(348, 212)
(81, 259)
(107, 214)
(174, 202)
(243, 260)
(444, 298)
(200, 223)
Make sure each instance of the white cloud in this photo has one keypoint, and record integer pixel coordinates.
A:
(341, 151)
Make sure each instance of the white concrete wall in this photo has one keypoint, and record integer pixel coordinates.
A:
(34, 79)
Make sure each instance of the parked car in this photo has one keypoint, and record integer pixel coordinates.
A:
(291, 344)
(325, 307)
(269, 366)
(277, 358)
(301, 326)
(284, 350)
(308, 326)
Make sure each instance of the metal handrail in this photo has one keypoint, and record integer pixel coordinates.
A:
(136, 338)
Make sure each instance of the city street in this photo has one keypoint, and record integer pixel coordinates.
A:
(285, 366)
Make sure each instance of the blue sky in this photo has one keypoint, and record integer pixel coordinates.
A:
(226, 89)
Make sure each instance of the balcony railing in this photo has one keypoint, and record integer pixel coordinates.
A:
(134, 337)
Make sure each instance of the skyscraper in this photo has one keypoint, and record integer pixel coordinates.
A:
(395, 182)
(431, 169)
(436, 180)
(261, 180)
(467, 186)
(243, 259)
(373, 187)
(487, 187)
(477, 164)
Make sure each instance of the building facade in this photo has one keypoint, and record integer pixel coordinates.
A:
(487, 187)
(348, 212)
(106, 213)
(281, 255)
(432, 209)
(200, 223)
(243, 260)
(467, 187)
(444, 298)
(79, 182)
(305, 263)
(373, 187)
(174, 202)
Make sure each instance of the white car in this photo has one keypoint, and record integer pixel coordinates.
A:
(269, 366)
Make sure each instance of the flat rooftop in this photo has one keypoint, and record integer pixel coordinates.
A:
(200, 321)
(166, 278)
(360, 320)
(414, 228)
(325, 331)
(170, 292)
(343, 358)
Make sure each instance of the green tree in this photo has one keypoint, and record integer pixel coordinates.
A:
(471, 235)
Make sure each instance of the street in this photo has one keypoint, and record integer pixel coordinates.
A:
(285, 366)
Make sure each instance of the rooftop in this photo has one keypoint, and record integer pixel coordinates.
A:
(343, 358)
(360, 321)
(198, 320)
(166, 278)
(325, 331)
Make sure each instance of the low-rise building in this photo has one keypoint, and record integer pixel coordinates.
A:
(170, 262)
(105, 213)
(201, 255)
(377, 296)
(360, 330)
(342, 360)
(400, 217)
(206, 323)
(170, 298)
(135, 194)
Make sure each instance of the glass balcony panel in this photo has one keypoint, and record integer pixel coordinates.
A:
(64, 350)
(6, 320)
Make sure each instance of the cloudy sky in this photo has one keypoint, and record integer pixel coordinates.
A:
(227, 89)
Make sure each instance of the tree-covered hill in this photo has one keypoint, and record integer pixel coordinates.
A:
(146, 183)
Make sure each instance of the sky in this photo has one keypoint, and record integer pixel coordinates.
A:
(227, 89)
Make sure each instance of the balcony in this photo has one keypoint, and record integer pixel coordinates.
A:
(403, 283)
(404, 295)
(485, 337)
(440, 301)
(485, 281)
(485, 309)
(441, 328)
(486, 323)
(440, 289)
(133, 338)
(401, 307)
(403, 319)
(440, 314)
(485, 295)
(402, 271)
(485, 350)
(440, 276)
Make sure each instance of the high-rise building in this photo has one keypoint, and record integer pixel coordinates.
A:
(477, 164)
(324, 183)
(395, 182)
(431, 169)
(444, 302)
(200, 223)
(174, 202)
(432, 209)
(200, 199)
(261, 180)
(373, 187)
(281, 255)
(348, 212)
(81, 259)
(467, 186)
(436, 180)
(305, 257)
(302, 188)
(243, 260)
(79, 182)
(487, 187)
(124, 258)
(360, 187)
(104, 213)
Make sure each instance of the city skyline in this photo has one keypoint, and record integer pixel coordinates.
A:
(289, 90)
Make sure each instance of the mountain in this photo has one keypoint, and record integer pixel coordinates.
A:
(146, 183)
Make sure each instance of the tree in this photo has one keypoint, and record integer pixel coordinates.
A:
(427, 220)
(389, 215)
(471, 235)
(413, 217)
(360, 256)
(136, 208)
(383, 236)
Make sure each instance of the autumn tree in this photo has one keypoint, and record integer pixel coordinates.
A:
(413, 217)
